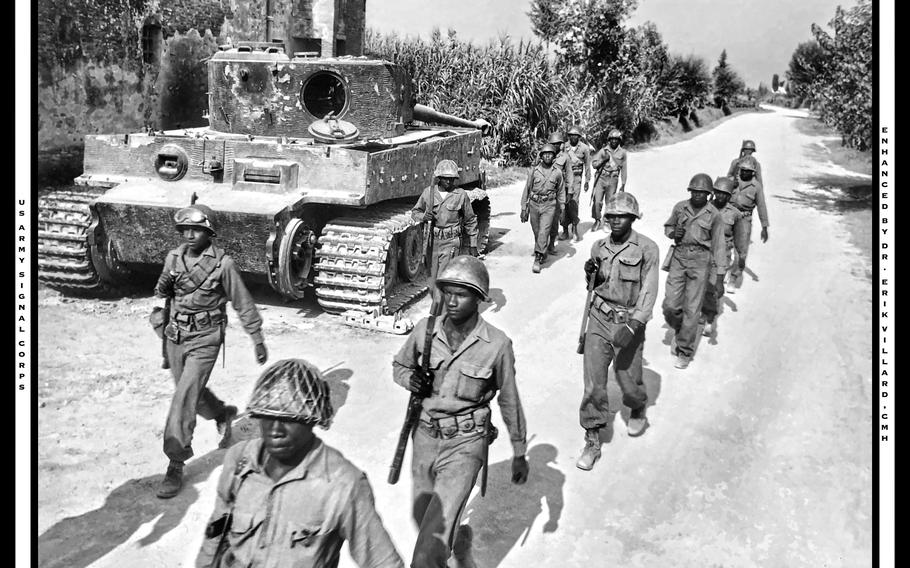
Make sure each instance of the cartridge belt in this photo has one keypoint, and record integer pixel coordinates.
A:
(541, 197)
(447, 232)
(448, 427)
(199, 321)
(616, 314)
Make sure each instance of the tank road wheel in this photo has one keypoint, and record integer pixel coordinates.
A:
(74, 254)
(411, 253)
(295, 258)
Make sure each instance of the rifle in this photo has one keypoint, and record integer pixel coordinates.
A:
(165, 364)
(584, 317)
(486, 455)
(414, 402)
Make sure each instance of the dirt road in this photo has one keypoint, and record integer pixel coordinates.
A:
(759, 454)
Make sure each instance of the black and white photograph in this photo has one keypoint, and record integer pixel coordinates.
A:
(454, 283)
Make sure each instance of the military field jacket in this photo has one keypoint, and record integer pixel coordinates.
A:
(451, 208)
(630, 273)
(704, 228)
(750, 195)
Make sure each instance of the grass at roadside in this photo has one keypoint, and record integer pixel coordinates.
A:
(848, 158)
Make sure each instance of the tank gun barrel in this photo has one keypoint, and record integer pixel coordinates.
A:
(424, 113)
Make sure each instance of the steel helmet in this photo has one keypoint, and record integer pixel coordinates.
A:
(467, 271)
(724, 184)
(747, 163)
(615, 134)
(196, 215)
(295, 390)
(446, 168)
(547, 148)
(575, 130)
(748, 145)
(623, 203)
(556, 138)
(701, 182)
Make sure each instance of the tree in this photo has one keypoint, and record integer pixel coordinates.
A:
(762, 90)
(843, 87)
(775, 82)
(727, 82)
(806, 66)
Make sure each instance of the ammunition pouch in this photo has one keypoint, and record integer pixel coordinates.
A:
(615, 314)
(449, 427)
(447, 232)
(199, 321)
(172, 332)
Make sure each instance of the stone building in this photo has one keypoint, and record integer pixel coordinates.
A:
(111, 66)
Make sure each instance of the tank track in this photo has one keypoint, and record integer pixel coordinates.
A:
(357, 262)
(64, 252)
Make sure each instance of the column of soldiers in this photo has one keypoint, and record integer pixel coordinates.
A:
(287, 498)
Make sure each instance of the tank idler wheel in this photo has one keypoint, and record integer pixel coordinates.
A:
(295, 258)
(412, 252)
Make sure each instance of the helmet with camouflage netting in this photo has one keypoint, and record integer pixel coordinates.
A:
(622, 203)
(293, 389)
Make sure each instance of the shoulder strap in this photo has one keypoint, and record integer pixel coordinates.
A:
(189, 282)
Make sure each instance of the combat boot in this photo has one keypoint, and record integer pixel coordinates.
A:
(536, 267)
(638, 422)
(709, 329)
(551, 249)
(564, 235)
(225, 424)
(575, 230)
(681, 362)
(172, 482)
(461, 549)
(591, 453)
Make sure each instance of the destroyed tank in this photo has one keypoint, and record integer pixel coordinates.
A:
(311, 165)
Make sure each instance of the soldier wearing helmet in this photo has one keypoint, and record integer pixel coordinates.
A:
(564, 163)
(580, 159)
(698, 232)
(624, 267)
(198, 280)
(747, 149)
(544, 195)
(470, 360)
(287, 498)
(451, 208)
(610, 171)
(723, 188)
(748, 196)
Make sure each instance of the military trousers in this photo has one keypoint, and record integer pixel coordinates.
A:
(709, 307)
(191, 363)
(570, 211)
(603, 190)
(444, 472)
(594, 412)
(685, 292)
(558, 214)
(444, 250)
(543, 217)
(742, 235)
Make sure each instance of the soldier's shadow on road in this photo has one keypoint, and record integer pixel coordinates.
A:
(494, 238)
(507, 514)
(497, 300)
(76, 542)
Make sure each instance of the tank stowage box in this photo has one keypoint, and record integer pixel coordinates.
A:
(311, 166)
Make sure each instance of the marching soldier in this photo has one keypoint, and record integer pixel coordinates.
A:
(287, 498)
(748, 148)
(564, 163)
(579, 155)
(543, 196)
(748, 195)
(451, 207)
(200, 279)
(610, 168)
(699, 235)
(723, 188)
(470, 360)
(624, 266)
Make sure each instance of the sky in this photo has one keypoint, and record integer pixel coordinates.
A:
(759, 36)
